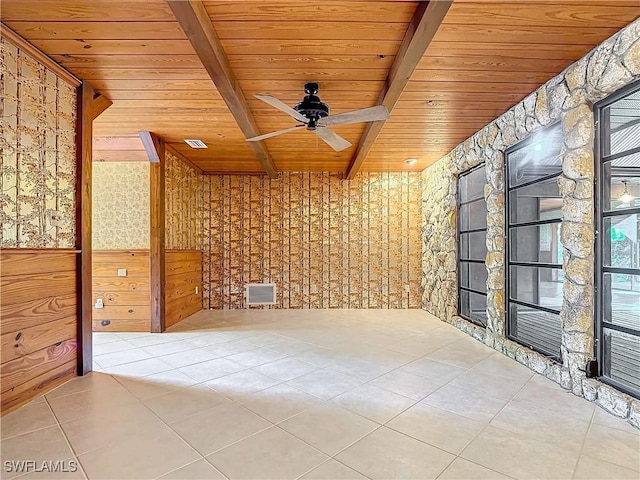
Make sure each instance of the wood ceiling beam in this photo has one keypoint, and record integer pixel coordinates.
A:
(100, 104)
(196, 24)
(420, 32)
(152, 145)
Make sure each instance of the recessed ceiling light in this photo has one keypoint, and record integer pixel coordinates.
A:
(195, 143)
(411, 161)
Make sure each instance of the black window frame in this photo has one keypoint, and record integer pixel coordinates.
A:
(602, 194)
(459, 231)
(509, 225)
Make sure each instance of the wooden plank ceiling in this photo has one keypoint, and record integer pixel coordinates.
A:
(486, 56)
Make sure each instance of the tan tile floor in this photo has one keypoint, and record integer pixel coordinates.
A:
(320, 394)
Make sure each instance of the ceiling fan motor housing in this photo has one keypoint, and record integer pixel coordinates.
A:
(311, 106)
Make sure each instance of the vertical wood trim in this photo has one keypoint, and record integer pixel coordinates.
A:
(84, 143)
(157, 246)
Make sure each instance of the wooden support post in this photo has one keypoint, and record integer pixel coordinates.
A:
(158, 311)
(84, 143)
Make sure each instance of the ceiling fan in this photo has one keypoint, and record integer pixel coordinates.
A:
(313, 114)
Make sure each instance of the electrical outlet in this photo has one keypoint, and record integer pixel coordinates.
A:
(122, 272)
(407, 288)
(99, 303)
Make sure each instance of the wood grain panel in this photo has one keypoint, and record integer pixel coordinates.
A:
(27, 368)
(38, 385)
(33, 287)
(251, 11)
(34, 338)
(120, 284)
(331, 30)
(183, 273)
(122, 325)
(531, 14)
(490, 62)
(35, 312)
(38, 322)
(527, 35)
(135, 298)
(96, 10)
(134, 269)
(127, 300)
(311, 46)
(505, 50)
(121, 312)
(97, 30)
(181, 308)
(25, 261)
(132, 257)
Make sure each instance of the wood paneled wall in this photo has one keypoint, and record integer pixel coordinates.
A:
(325, 242)
(38, 322)
(183, 273)
(126, 299)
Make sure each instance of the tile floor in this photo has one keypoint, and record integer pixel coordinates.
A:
(333, 394)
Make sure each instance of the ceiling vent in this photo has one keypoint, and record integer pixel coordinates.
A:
(195, 143)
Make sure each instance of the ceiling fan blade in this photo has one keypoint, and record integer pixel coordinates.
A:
(370, 114)
(273, 134)
(274, 102)
(332, 139)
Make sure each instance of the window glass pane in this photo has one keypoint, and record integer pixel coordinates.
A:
(539, 286)
(622, 358)
(473, 215)
(540, 201)
(537, 243)
(472, 184)
(624, 125)
(473, 246)
(535, 328)
(620, 242)
(623, 188)
(473, 306)
(621, 300)
(538, 158)
(474, 276)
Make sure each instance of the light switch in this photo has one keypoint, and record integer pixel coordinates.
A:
(122, 272)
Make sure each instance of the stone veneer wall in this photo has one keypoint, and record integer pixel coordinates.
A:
(567, 98)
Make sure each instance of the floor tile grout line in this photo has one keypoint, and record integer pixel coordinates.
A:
(488, 424)
(166, 425)
(330, 459)
(76, 456)
(584, 441)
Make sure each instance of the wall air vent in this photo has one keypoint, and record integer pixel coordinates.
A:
(260, 293)
(195, 143)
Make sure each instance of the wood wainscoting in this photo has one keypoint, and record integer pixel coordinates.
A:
(183, 274)
(38, 322)
(126, 299)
